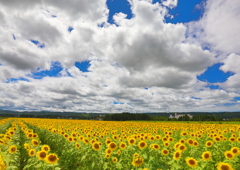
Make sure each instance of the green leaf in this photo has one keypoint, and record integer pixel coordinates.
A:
(119, 166)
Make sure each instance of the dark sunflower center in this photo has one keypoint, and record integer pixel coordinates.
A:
(206, 155)
(52, 158)
(192, 162)
(96, 146)
(43, 154)
(224, 167)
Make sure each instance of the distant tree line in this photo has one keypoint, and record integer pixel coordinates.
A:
(126, 116)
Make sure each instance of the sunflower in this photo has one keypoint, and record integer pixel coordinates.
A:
(107, 141)
(92, 141)
(112, 146)
(137, 162)
(190, 141)
(2, 164)
(35, 135)
(191, 162)
(184, 133)
(156, 146)
(166, 144)
(11, 132)
(27, 146)
(171, 139)
(195, 143)
(107, 156)
(209, 144)
(41, 154)
(1, 141)
(114, 159)
(108, 151)
(12, 149)
(35, 142)
(152, 138)
(119, 152)
(224, 166)
(217, 139)
(77, 145)
(29, 135)
(177, 155)
(182, 147)
(206, 156)
(165, 152)
(182, 141)
(232, 139)
(70, 139)
(164, 139)
(235, 150)
(228, 155)
(135, 155)
(142, 144)
(31, 152)
(65, 135)
(132, 141)
(45, 148)
(176, 145)
(51, 158)
(157, 137)
(96, 146)
(85, 141)
(122, 145)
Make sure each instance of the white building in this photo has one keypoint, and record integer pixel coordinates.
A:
(177, 116)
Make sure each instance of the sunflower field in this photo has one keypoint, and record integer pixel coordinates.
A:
(58, 144)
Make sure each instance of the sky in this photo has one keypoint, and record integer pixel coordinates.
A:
(120, 55)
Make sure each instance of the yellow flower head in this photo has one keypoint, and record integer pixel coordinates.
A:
(224, 166)
(135, 155)
(119, 152)
(51, 158)
(191, 162)
(177, 155)
(206, 156)
(132, 141)
(142, 144)
(209, 144)
(182, 147)
(41, 154)
(114, 159)
(122, 145)
(35, 142)
(112, 146)
(156, 146)
(235, 151)
(108, 151)
(96, 146)
(77, 145)
(12, 149)
(137, 162)
(165, 152)
(31, 152)
(45, 148)
(228, 155)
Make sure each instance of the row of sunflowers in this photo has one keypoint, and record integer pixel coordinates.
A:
(99, 145)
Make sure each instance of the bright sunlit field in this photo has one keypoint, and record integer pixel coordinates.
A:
(44, 144)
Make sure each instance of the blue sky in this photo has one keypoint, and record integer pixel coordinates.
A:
(145, 57)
